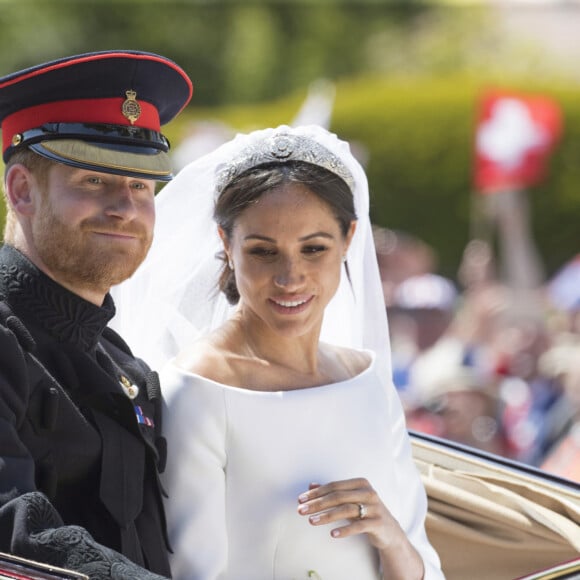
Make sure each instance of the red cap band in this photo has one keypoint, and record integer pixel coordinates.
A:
(101, 111)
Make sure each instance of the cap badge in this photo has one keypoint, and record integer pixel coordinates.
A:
(131, 109)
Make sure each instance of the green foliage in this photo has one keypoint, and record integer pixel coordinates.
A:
(234, 51)
(420, 138)
(418, 134)
(555, 204)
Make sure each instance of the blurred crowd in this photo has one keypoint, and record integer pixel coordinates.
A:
(481, 363)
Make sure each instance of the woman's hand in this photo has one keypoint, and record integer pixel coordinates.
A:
(356, 501)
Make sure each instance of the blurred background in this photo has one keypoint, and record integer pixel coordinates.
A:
(466, 116)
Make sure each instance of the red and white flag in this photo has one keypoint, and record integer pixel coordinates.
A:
(514, 137)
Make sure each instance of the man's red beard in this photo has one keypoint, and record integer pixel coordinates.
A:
(77, 257)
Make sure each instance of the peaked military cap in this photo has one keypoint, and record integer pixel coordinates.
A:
(101, 111)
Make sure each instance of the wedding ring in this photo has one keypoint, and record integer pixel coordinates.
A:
(362, 511)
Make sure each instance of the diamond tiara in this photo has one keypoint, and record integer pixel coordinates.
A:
(280, 148)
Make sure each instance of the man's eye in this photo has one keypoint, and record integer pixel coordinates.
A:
(94, 180)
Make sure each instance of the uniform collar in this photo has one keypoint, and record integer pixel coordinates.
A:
(38, 300)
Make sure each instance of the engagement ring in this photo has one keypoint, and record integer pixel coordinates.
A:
(362, 511)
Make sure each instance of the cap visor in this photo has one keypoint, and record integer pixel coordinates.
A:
(151, 165)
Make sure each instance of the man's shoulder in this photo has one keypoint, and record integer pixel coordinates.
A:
(17, 376)
(12, 329)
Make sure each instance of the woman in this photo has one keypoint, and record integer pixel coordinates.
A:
(289, 456)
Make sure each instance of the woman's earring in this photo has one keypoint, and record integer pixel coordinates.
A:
(230, 264)
(344, 259)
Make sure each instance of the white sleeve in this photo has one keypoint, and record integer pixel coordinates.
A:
(195, 428)
(411, 509)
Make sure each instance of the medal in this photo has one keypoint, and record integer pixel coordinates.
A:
(130, 390)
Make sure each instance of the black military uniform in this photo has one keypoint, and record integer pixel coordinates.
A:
(80, 424)
(80, 416)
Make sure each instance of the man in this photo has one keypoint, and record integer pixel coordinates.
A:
(80, 428)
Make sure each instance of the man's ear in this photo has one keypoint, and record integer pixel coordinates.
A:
(19, 184)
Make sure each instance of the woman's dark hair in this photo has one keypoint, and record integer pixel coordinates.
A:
(250, 186)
